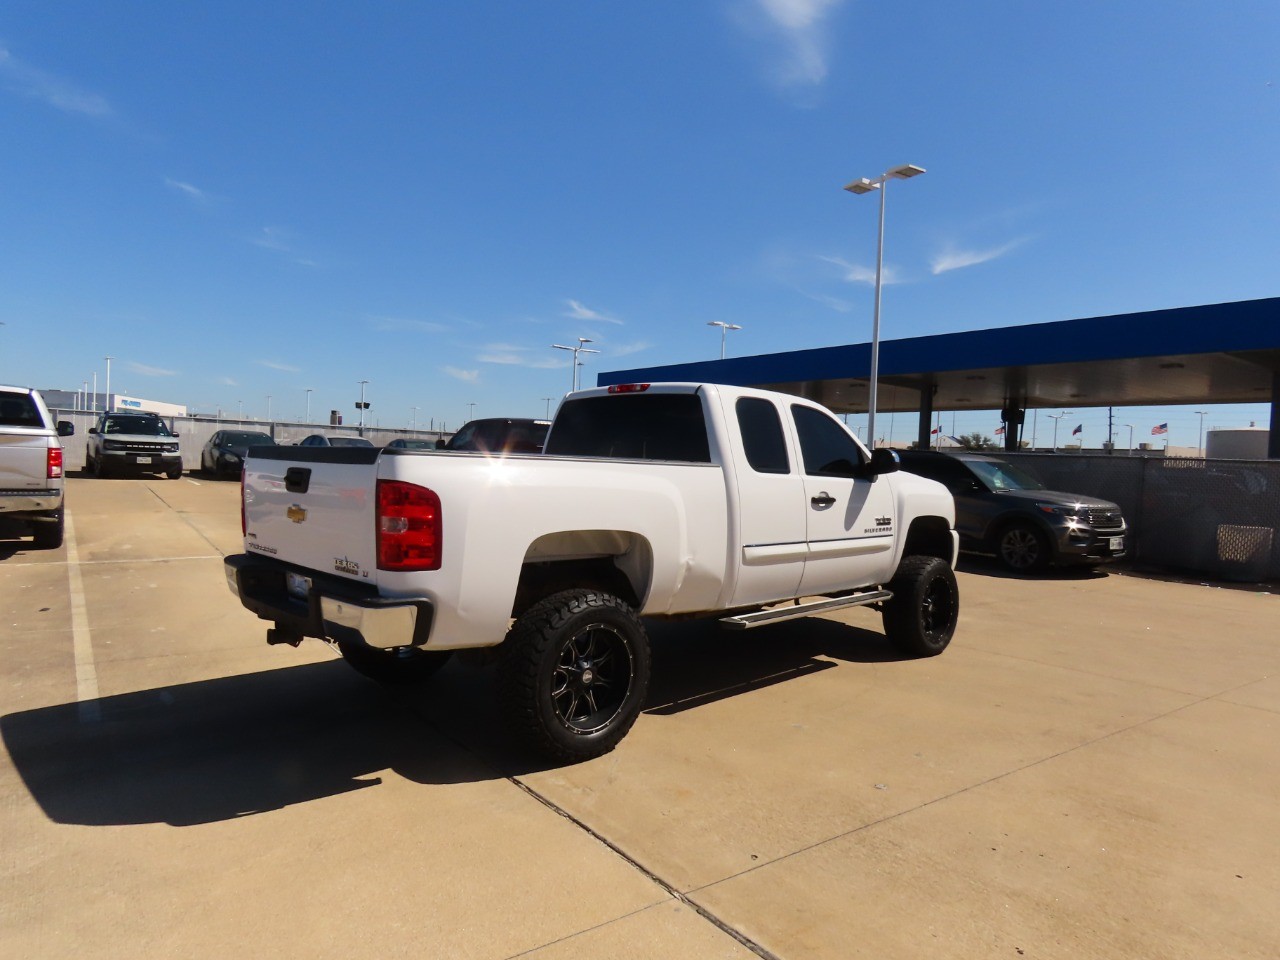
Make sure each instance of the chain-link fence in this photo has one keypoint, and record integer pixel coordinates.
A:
(1218, 518)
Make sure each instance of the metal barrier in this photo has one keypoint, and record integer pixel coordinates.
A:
(1217, 518)
(194, 433)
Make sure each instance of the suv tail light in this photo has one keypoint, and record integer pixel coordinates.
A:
(410, 528)
(53, 466)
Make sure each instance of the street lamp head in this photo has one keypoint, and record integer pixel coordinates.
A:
(585, 340)
(905, 172)
(861, 185)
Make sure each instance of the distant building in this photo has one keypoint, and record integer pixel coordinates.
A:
(70, 400)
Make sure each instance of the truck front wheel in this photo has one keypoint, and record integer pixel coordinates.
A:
(575, 674)
(922, 616)
(396, 665)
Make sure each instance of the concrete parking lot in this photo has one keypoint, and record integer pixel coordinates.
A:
(1089, 771)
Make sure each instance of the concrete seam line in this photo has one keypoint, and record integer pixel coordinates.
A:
(81, 639)
(973, 786)
(155, 493)
(675, 894)
(97, 563)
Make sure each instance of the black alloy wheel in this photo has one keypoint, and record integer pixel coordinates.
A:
(1022, 548)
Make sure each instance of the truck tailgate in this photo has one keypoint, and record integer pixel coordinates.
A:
(24, 461)
(314, 508)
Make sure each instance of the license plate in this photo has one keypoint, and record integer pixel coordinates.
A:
(144, 459)
(1117, 544)
(297, 585)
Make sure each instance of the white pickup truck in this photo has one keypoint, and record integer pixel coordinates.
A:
(31, 464)
(650, 500)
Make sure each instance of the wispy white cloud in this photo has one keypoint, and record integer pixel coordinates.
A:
(226, 382)
(857, 273)
(797, 27)
(578, 312)
(28, 81)
(401, 325)
(186, 189)
(273, 365)
(466, 376)
(273, 238)
(956, 259)
(147, 371)
(626, 349)
(513, 356)
(835, 303)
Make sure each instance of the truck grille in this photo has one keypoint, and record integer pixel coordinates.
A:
(131, 446)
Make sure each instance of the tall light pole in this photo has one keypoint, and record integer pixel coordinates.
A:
(1200, 442)
(268, 408)
(108, 400)
(1130, 426)
(308, 417)
(548, 413)
(363, 406)
(471, 411)
(904, 172)
(1055, 417)
(413, 424)
(239, 409)
(580, 348)
(724, 330)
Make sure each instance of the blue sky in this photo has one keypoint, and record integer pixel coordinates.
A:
(237, 200)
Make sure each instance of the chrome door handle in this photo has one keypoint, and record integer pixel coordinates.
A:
(823, 499)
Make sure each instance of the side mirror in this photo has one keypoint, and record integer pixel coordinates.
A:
(93, 429)
(66, 428)
(175, 433)
(883, 460)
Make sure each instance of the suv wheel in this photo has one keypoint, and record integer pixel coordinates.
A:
(1022, 548)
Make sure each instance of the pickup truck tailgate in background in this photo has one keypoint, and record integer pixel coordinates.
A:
(314, 508)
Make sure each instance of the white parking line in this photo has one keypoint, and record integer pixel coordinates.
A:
(196, 482)
(81, 639)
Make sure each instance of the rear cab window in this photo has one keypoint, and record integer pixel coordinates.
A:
(653, 426)
(763, 441)
(19, 410)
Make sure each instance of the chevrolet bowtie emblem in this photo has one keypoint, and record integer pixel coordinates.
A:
(296, 513)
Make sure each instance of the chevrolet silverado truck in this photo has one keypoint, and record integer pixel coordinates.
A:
(31, 464)
(649, 501)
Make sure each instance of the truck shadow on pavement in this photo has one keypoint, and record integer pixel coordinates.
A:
(216, 750)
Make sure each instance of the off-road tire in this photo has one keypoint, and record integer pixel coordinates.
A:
(574, 674)
(48, 534)
(397, 665)
(921, 618)
(1021, 548)
(173, 473)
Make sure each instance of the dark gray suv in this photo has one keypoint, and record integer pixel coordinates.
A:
(1003, 510)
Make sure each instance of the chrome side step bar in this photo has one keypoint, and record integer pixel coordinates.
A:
(760, 618)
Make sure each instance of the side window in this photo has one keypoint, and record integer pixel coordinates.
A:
(827, 448)
(762, 436)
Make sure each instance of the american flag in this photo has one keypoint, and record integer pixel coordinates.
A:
(1078, 429)
(1159, 429)
(936, 430)
(999, 430)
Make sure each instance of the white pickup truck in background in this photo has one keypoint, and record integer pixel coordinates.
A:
(31, 484)
(658, 501)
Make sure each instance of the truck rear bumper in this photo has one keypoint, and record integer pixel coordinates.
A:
(326, 607)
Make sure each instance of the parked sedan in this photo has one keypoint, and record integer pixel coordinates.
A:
(1003, 510)
(226, 450)
(411, 443)
(320, 440)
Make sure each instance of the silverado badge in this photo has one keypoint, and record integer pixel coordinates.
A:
(343, 565)
(296, 513)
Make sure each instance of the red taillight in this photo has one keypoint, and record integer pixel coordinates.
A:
(629, 388)
(54, 463)
(410, 530)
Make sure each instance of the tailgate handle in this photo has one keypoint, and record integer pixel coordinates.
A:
(297, 479)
